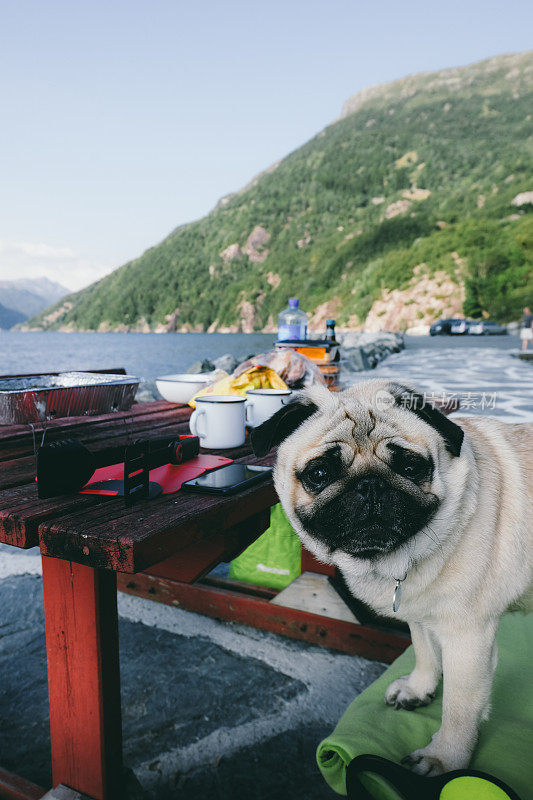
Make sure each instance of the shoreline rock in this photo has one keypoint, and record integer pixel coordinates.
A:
(361, 351)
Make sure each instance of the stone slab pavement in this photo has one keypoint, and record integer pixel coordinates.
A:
(481, 372)
(210, 709)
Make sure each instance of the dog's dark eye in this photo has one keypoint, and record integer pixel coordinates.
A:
(410, 465)
(316, 478)
(322, 471)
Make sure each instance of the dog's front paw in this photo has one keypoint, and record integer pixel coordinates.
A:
(401, 694)
(424, 763)
(436, 758)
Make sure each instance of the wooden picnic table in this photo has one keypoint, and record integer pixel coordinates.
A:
(84, 541)
(157, 549)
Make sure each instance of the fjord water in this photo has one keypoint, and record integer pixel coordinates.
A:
(145, 355)
(148, 355)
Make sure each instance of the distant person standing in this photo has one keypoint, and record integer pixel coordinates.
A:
(526, 332)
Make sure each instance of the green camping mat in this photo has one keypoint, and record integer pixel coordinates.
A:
(275, 559)
(505, 747)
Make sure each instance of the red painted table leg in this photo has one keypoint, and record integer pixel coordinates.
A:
(81, 619)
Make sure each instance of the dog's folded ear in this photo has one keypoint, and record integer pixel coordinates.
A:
(452, 434)
(284, 422)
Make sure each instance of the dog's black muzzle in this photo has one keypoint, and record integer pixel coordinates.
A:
(368, 517)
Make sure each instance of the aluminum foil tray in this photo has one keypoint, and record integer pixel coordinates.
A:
(37, 398)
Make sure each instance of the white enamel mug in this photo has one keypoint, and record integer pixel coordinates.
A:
(261, 404)
(219, 421)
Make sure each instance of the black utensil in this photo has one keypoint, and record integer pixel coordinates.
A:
(461, 783)
(65, 467)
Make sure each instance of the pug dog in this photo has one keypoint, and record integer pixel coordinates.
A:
(403, 500)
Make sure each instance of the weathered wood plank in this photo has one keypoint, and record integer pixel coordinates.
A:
(21, 513)
(12, 787)
(200, 557)
(19, 446)
(83, 678)
(129, 540)
(21, 469)
(137, 409)
(111, 512)
(17, 472)
(102, 532)
(260, 613)
(313, 593)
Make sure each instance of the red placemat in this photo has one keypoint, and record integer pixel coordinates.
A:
(170, 477)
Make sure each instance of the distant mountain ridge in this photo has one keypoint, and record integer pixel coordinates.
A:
(412, 205)
(28, 296)
(9, 317)
(465, 81)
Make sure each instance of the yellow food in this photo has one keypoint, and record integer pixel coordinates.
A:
(252, 378)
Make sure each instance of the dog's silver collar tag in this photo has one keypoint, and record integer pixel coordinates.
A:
(397, 596)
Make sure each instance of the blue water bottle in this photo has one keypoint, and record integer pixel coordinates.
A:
(292, 322)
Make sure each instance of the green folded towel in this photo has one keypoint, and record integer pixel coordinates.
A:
(505, 747)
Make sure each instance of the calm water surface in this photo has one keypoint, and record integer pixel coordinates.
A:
(462, 365)
(146, 355)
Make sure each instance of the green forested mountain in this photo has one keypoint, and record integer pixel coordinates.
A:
(414, 203)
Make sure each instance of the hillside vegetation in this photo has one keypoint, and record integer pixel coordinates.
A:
(414, 204)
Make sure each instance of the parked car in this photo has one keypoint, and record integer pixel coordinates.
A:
(486, 327)
(459, 327)
(444, 326)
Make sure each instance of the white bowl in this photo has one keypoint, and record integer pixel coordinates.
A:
(181, 387)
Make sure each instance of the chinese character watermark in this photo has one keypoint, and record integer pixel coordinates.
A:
(414, 401)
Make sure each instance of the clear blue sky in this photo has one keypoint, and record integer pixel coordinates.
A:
(124, 118)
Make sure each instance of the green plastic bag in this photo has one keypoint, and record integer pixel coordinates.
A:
(275, 559)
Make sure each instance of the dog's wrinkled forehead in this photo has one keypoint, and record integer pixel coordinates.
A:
(357, 418)
(367, 412)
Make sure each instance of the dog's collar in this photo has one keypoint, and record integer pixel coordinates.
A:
(397, 596)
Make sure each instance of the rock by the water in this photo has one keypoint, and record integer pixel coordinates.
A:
(389, 339)
(201, 366)
(147, 392)
(226, 362)
(355, 360)
(363, 350)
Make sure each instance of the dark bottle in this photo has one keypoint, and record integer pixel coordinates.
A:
(332, 339)
(330, 331)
